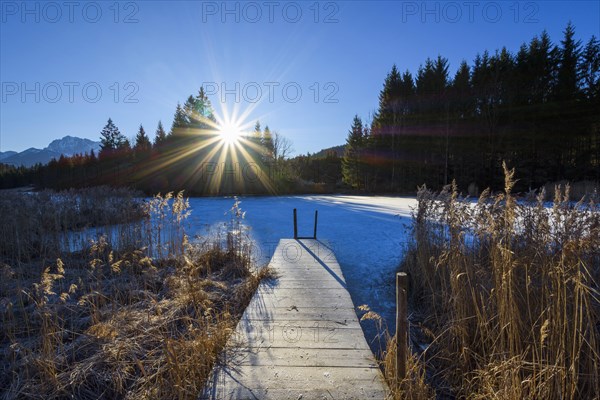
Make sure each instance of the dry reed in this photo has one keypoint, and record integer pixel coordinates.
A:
(508, 294)
(117, 322)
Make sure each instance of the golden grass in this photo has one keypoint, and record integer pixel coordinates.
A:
(122, 324)
(36, 225)
(509, 297)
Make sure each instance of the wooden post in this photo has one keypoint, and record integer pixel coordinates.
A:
(401, 326)
(295, 225)
(316, 214)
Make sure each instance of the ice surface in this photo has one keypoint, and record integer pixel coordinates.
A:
(367, 233)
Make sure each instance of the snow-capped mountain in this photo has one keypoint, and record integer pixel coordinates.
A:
(67, 146)
(70, 145)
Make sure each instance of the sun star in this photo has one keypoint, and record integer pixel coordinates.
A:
(230, 133)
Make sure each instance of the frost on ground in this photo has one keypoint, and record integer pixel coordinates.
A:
(367, 234)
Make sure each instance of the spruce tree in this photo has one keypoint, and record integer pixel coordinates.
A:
(189, 111)
(351, 163)
(590, 68)
(542, 62)
(179, 121)
(268, 145)
(160, 136)
(111, 139)
(125, 145)
(142, 142)
(257, 131)
(389, 111)
(255, 143)
(388, 120)
(590, 71)
(203, 109)
(568, 76)
(461, 92)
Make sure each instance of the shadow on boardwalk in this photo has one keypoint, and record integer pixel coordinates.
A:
(299, 338)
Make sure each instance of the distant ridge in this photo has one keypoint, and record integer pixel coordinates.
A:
(67, 146)
(6, 154)
(338, 150)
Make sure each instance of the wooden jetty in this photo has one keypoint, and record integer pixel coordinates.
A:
(300, 337)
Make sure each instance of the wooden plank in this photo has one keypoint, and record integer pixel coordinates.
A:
(308, 284)
(283, 377)
(300, 357)
(308, 325)
(293, 335)
(307, 302)
(351, 393)
(302, 293)
(312, 382)
(340, 315)
(299, 337)
(299, 294)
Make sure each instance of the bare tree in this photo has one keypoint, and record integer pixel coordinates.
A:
(282, 146)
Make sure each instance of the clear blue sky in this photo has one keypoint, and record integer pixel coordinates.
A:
(166, 50)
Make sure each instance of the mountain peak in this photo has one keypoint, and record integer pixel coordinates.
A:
(67, 146)
(71, 145)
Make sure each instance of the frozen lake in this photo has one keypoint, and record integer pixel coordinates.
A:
(367, 234)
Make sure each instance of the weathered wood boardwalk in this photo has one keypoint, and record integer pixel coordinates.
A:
(299, 338)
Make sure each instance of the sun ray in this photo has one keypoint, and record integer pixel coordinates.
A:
(222, 158)
(230, 133)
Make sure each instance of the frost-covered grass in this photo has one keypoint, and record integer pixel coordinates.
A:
(367, 235)
(504, 293)
(38, 224)
(507, 295)
(108, 323)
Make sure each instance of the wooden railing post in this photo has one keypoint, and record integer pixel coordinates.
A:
(295, 225)
(316, 214)
(401, 325)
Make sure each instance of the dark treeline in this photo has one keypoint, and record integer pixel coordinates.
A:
(192, 156)
(538, 110)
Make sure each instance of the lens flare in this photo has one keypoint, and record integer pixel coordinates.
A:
(230, 133)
